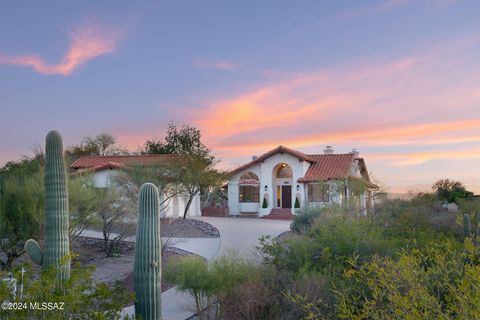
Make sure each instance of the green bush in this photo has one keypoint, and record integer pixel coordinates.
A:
(207, 284)
(80, 298)
(304, 219)
(326, 247)
(297, 203)
(437, 282)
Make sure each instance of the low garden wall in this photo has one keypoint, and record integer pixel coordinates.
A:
(215, 212)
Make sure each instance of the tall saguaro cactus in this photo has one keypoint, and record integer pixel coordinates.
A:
(148, 259)
(56, 211)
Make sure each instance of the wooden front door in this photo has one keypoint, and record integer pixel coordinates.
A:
(286, 196)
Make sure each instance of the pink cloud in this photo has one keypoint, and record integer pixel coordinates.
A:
(410, 101)
(217, 65)
(87, 42)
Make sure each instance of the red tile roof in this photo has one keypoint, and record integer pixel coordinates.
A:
(323, 166)
(329, 166)
(115, 162)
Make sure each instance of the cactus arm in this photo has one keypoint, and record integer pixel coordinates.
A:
(147, 266)
(34, 251)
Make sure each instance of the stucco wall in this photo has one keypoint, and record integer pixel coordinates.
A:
(174, 208)
(264, 171)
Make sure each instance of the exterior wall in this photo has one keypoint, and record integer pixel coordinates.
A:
(335, 195)
(174, 208)
(103, 178)
(265, 172)
(234, 206)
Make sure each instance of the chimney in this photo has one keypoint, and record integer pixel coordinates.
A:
(254, 157)
(328, 150)
(355, 152)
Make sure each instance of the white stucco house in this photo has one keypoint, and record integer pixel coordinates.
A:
(105, 168)
(284, 176)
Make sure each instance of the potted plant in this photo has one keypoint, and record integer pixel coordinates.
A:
(265, 203)
(297, 203)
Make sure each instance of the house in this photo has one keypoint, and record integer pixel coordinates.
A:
(284, 176)
(106, 168)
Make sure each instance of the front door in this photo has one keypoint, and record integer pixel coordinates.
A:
(286, 196)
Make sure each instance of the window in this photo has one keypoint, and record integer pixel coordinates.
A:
(318, 192)
(284, 171)
(249, 194)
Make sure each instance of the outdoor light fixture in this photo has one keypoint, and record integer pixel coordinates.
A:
(298, 187)
(266, 187)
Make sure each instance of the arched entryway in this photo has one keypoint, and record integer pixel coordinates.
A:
(282, 181)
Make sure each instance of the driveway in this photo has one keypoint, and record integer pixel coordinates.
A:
(240, 235)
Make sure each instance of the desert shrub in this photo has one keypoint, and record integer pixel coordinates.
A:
(207, 284)
(437, 282)
(80, 297)
(254, 298)
(328, 245)
(417, 220)
(304, 219)
(469, 206)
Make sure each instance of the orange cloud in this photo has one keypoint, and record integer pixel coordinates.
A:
(86, 42)
(408, 101)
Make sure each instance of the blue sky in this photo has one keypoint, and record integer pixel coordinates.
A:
(397, 79)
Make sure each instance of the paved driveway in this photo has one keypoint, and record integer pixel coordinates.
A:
(241, 235)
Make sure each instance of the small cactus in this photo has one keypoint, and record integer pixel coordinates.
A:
(56, 211)
(467, 227)
(148, 259)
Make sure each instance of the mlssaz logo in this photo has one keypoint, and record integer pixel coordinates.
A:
(47, 305)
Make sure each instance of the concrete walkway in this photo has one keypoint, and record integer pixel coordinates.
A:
(237, 235)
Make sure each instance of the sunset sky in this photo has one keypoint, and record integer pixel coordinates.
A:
(399, 80)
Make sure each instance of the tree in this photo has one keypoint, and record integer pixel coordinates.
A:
(451, 191)
(82, 202)
(190, 176)
(103, 144)
(21, 207)
(114, 213)
(193, 172)
(184, 141)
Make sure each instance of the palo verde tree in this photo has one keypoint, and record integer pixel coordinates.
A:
(21, 207)
(193, 171)
(451, 191)
(183, 141)
(103, 144)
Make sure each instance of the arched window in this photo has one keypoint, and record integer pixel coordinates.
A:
(249, 188)
(284, 171)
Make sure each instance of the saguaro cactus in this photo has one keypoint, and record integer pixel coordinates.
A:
(467, 227)
(56, 211)
(148, 259)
